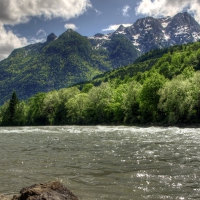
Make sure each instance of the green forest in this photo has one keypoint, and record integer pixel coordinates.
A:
(161, 87)
(57, 64)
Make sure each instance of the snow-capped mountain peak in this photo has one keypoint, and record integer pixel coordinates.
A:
(151, 33)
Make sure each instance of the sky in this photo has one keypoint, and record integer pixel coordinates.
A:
(24, 22)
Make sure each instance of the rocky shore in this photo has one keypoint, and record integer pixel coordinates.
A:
(44, 191)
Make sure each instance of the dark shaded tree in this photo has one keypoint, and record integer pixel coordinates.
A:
(9, 117)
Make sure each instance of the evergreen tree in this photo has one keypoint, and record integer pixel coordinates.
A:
(9, 117)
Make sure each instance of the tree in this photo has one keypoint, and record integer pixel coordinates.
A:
(9, 118)
(21, 114)
(61, 115)
(3, 112)
(149, 97)
(177, 99)
(76, 108)
(51, 106)
(165, 70)
(98, 100)
(130, 103)
(195, 82)
(114, 111)
(87, 87)
(35, 115)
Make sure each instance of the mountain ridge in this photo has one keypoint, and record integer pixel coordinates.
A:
(72, 58)
(60, 62)
(154, 33)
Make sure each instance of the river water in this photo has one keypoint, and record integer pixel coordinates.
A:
(102, 162)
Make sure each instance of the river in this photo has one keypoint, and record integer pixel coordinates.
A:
(103, 162)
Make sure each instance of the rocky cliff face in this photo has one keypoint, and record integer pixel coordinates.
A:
(182, 29)
(148, 33)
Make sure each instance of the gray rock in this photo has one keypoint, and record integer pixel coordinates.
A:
(46, 191)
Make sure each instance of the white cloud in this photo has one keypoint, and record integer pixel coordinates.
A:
(41, 37)
(125, 10)
(34, 40)
(114, 27)
(158, 8)
(20, 11)
(9, 41)
(41, 33)
(71, 26)
(97, 12)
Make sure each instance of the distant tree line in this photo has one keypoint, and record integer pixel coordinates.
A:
(157, 100)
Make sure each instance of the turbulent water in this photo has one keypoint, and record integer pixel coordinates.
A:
(126, 163)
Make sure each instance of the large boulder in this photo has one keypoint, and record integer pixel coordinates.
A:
(47, 191)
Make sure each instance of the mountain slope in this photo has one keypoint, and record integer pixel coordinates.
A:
(71, 58)
(60, 62)
(169, 62)
(161, 87)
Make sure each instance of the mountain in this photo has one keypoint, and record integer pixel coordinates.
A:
(72, 58)
(169, 62)
(60, 62)
(160, 88)
(149, 33)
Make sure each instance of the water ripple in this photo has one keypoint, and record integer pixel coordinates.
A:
(103, 162)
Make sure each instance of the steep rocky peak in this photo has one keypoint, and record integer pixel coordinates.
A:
(165, 21)
(147, 24)
(182, 19)
(99, 35)
(51, 37)
(68, 34)
(69, 30)
(184, 16)
(145, 21)
(151, 33)
(121, 28)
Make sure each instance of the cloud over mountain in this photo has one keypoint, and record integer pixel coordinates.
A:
(114, 27)
(9, 41)
(71, 26)
(158, 8)
(20, 11)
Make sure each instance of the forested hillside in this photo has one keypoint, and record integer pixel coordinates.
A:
(162, 87)
(72, 58)
(60, 62)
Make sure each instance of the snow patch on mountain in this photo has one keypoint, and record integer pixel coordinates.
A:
(150, 33)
